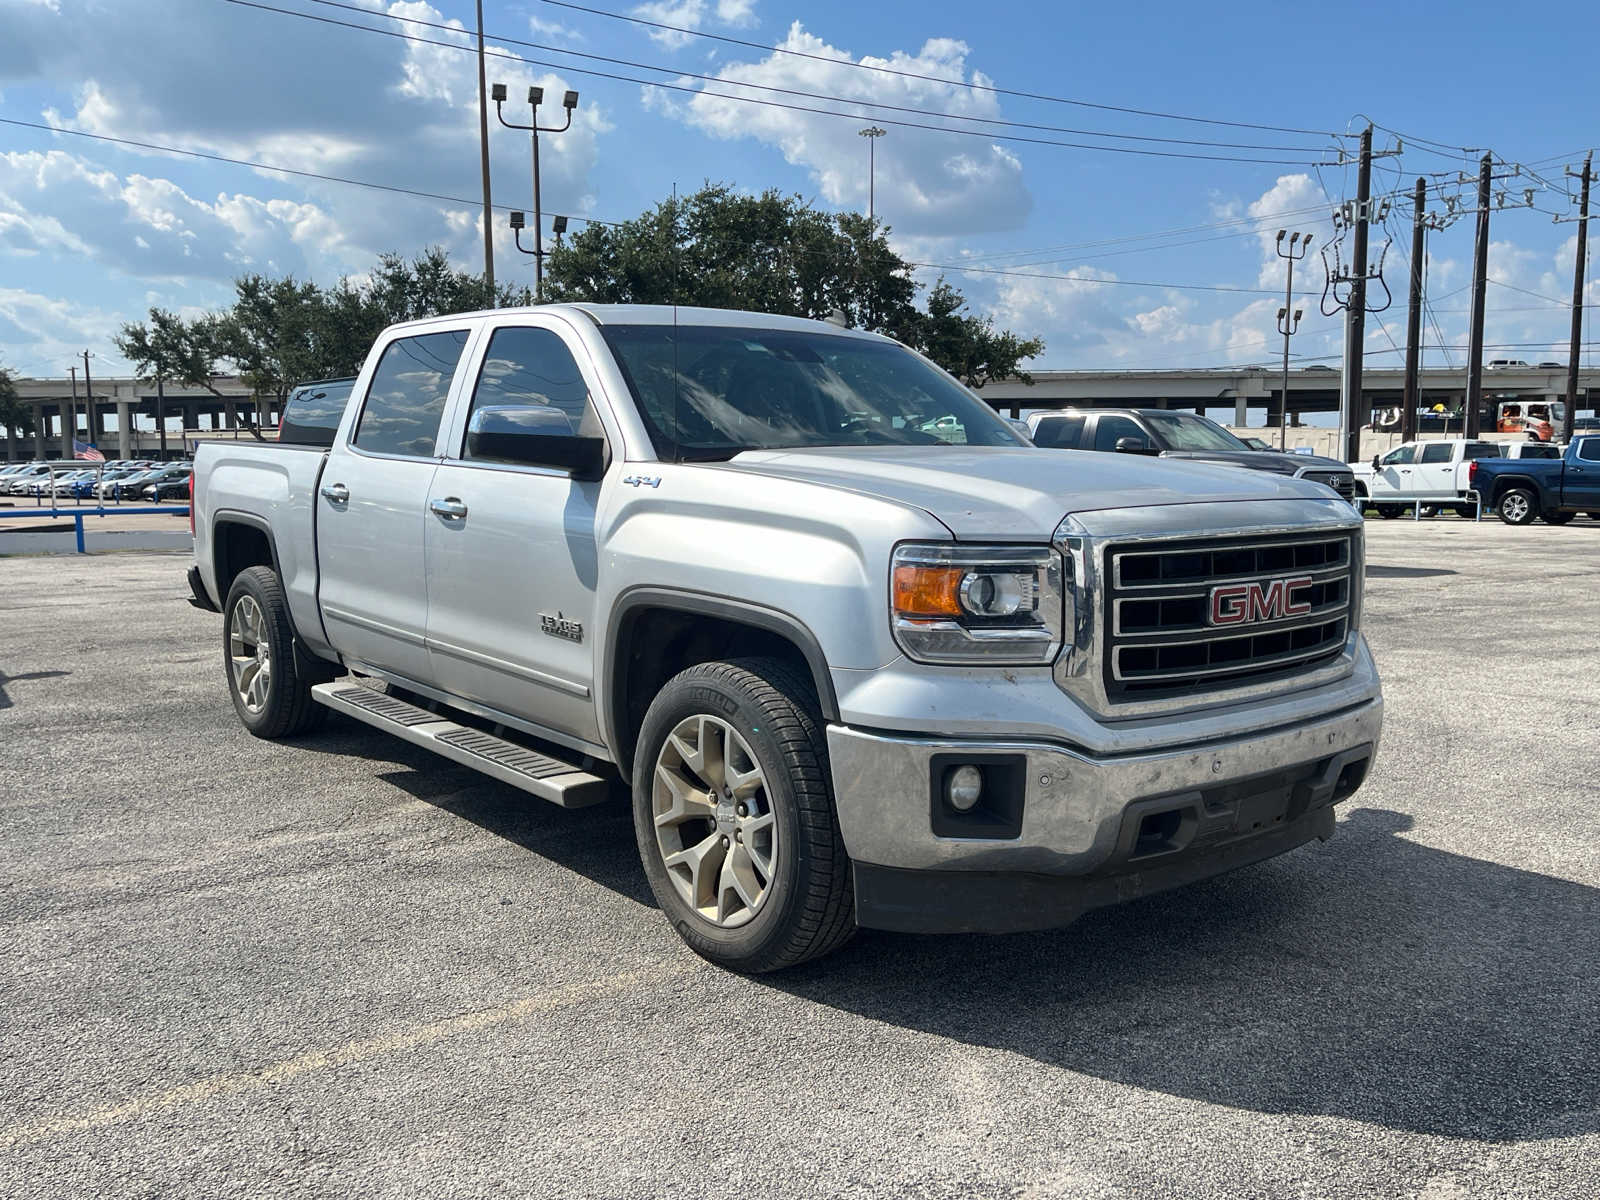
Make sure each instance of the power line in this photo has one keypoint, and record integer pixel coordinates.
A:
(695, 91)
(976, 87)
(765, 87)
(261, 166)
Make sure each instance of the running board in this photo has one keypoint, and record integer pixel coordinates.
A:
(538, 774)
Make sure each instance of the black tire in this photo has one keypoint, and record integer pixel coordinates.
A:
(1556, 516)
(809, 909)
(287, 708)
(1518, 506)
(1390, 511)
(1464, 511)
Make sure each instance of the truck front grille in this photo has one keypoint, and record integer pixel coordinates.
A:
(1197, 616)
(1342, 482)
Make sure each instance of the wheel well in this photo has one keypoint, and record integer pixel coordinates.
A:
(654, 643)
(1506, 483)
(1360, 488)
(235, 546)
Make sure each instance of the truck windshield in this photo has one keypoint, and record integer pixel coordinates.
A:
(718, 390)
(1181, 431)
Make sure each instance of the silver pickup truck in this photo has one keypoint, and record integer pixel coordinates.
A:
(861, 655)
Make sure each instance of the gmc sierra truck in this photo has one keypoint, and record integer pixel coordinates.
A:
(859, 654)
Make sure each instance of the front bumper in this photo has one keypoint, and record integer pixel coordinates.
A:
(1089, 830)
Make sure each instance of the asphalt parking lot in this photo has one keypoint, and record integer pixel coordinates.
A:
(342, 967)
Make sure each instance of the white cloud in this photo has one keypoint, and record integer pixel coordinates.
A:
(926, 182)
(694, 15)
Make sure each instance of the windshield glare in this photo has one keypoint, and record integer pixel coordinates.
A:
(721, 390)
(1181, 431)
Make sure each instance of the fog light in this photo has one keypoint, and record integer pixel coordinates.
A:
(964, 787)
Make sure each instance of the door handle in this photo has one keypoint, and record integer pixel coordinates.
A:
(450, 508)
(336, 493)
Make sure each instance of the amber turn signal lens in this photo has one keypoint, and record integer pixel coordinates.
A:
(928, 591)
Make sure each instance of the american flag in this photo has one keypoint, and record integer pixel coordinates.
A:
(86, 452)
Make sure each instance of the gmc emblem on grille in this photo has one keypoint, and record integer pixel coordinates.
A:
(1247, 603)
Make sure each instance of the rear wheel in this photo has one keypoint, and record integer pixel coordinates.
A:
(734, 816)
(1519, 506)
(269, 679)
(1389, 511)
(1464, 510)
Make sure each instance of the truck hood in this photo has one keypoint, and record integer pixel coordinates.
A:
(1273, 461)
(1017, 492)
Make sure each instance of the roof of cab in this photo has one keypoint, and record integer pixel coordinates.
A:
(662, 314)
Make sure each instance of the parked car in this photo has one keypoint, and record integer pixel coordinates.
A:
(32, 481)
(854, 672)
(1428, 473)
(132, 488)
(169, 486)
(1178, 435)
(1555, 489)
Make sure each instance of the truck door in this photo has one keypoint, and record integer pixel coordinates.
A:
(372, 503)
(1434, 475)
(511, 548)
(1393, 476)
(1580, 480)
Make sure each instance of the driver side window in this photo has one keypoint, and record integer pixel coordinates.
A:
(1109, 429)
(1399, 456)
(528, 367)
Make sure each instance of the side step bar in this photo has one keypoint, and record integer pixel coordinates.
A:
(538, 774)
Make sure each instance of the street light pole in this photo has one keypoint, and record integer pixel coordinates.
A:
(872, 133)
(535, 98)
(483, 152)
(1287, 325)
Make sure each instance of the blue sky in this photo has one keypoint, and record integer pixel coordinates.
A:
(1052, 241)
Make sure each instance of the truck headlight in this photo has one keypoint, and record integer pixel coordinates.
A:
(991, 604)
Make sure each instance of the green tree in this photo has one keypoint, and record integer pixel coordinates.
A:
(17, 419)
(168, 348)
(774, 253)
(966, 345)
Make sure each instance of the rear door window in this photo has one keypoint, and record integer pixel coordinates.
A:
(1437, 452)
(405, 402)
(1060, 433)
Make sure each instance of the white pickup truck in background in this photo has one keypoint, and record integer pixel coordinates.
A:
(1424, 472)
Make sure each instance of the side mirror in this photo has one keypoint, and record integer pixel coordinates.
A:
(1133, 445)
(1375, 464)
(535, 435)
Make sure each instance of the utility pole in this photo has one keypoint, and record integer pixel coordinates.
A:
(1355, 316)
(872, 133)
(1413, 397)
(1480, 275)
(535, 98)
(161, 415)
(483, 154)
(69, 419)
(88, 401)
(1287, 325)
(1578, 270)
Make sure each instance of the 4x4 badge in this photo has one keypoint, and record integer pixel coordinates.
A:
(642, 480)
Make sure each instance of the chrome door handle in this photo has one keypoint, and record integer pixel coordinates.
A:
(336, 493)
(450, 508)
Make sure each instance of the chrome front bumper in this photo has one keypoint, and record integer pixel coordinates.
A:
(1076, 808)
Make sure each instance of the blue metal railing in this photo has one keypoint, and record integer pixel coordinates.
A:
(53, 513)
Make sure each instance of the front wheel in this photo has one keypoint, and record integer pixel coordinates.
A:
(734, 816)
(269, 680)
(1389, 511)
(1519, 506)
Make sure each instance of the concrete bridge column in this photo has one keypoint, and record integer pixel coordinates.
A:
(68, 423)
(124, 429)
(38, 431)
(230, 414)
